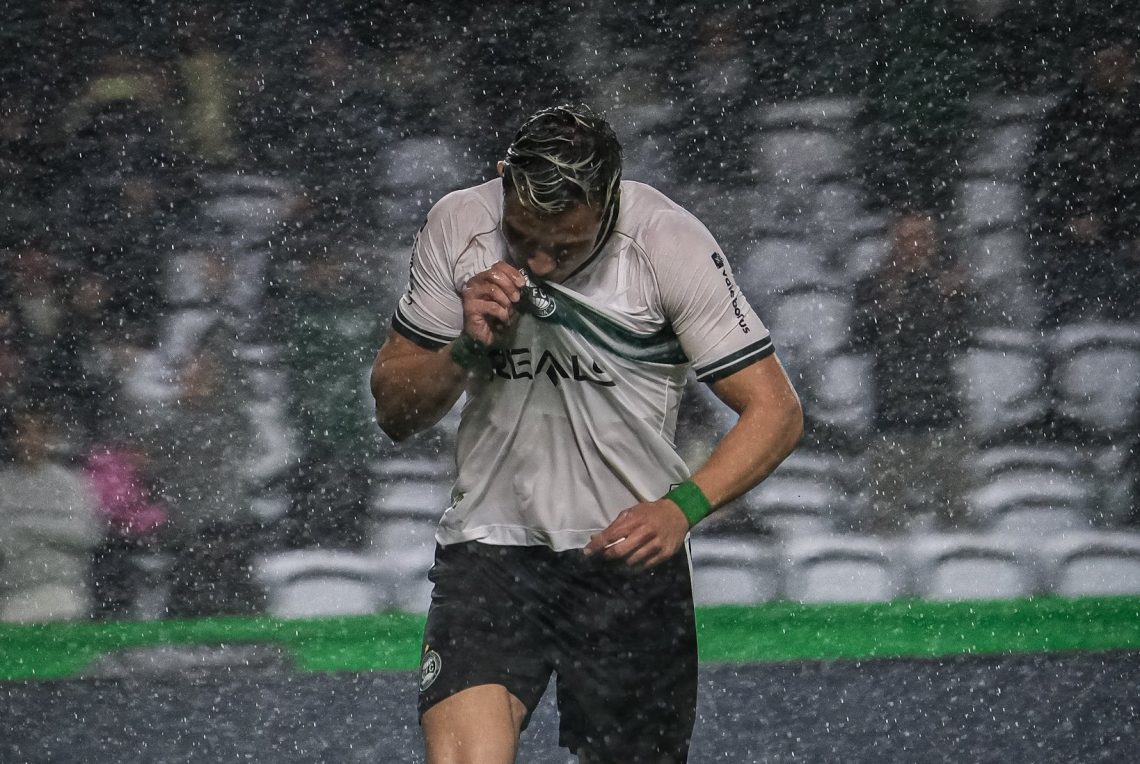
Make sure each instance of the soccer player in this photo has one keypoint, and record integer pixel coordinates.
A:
(569, 306)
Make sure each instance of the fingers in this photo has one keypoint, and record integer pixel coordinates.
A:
(489, 298)
(640, 553)
(506, 277)
(628, 540)
(642, 536)
(493, 285)
(611, 537)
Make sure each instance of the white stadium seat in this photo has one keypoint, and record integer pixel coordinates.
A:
(1031, 488)
(989, 203)
(810, 493)
(1003, 150)
(1001, 379)
(838, 392)
(1097, 375)
(733, 571)
(1094, 563)
(776, 265)
(810, 323)
(802, 156)
(310, 583)
(842, 568)
(965, 566)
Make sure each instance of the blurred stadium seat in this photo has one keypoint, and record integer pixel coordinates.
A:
(987, 203)
(842, 568)
(1001, 379)
(411, 496)
(733, 571)
(963, 566)
(419, 171)
(810, 322)
(794, 506)
(866, 254)
(1007, 127)
(1096, 376)
(998, 265)
(804, 141)
(1093, 563)
(1031, 488)
(244, 207)
(312, 583)
(777, 264)
(838, 392)
(44, 602)
(810, 493)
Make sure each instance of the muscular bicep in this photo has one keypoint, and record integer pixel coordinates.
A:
(769, 427)
(764, 385)
(413, 386)
(396, 357)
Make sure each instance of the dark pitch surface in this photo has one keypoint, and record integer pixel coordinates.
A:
(1027, 708)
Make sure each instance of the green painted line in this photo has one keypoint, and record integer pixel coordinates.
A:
(777, 631)
(917, 629)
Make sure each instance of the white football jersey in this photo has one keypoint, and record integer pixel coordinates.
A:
(575, 419)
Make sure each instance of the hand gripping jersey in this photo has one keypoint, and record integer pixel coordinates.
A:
(575, 419)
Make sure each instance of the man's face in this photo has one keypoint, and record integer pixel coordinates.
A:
(550, 247)
(915, 240)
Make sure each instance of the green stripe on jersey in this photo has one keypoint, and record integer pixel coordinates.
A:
(560, 308)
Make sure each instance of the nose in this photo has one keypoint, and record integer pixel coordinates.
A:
(541, 263)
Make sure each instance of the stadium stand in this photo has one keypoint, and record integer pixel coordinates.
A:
(843, 568)
(409, 499)
(1104, 562)
(310, 583)
(734, 571)
(779, 173)
(1001, 376)
(1025, 489)
(1096, 376)
(961, 566)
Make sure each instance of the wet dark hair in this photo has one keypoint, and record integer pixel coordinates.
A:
(564, 156)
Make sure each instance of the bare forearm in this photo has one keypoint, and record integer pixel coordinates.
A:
(748, 453)
(769, 427)
(413, 390)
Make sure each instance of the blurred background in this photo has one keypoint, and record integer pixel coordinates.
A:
(208, 211)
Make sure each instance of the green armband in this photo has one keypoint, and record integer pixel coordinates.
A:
(467, 352)
(692, 501)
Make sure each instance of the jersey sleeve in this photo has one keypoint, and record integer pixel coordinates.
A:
(718, 329)
(430, 311)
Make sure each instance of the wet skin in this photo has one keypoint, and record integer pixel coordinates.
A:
(550, 247)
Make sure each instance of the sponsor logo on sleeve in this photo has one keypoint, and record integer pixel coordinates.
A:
(733, 292)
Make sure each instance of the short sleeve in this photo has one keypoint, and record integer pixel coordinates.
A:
(430, 311)
(718, 329)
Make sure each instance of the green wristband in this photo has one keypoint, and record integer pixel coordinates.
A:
(692, 501)
(468, 352)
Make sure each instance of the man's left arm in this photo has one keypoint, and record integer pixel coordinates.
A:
(769, 426)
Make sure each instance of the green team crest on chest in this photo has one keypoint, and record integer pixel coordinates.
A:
(548, 305)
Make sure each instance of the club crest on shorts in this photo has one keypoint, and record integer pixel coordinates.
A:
(429, 669)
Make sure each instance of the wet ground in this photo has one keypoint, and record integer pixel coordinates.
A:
(1033, 708)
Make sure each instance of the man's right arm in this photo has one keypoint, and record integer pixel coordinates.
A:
(413, 386)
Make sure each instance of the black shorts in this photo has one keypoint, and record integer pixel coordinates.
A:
(622, 643)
